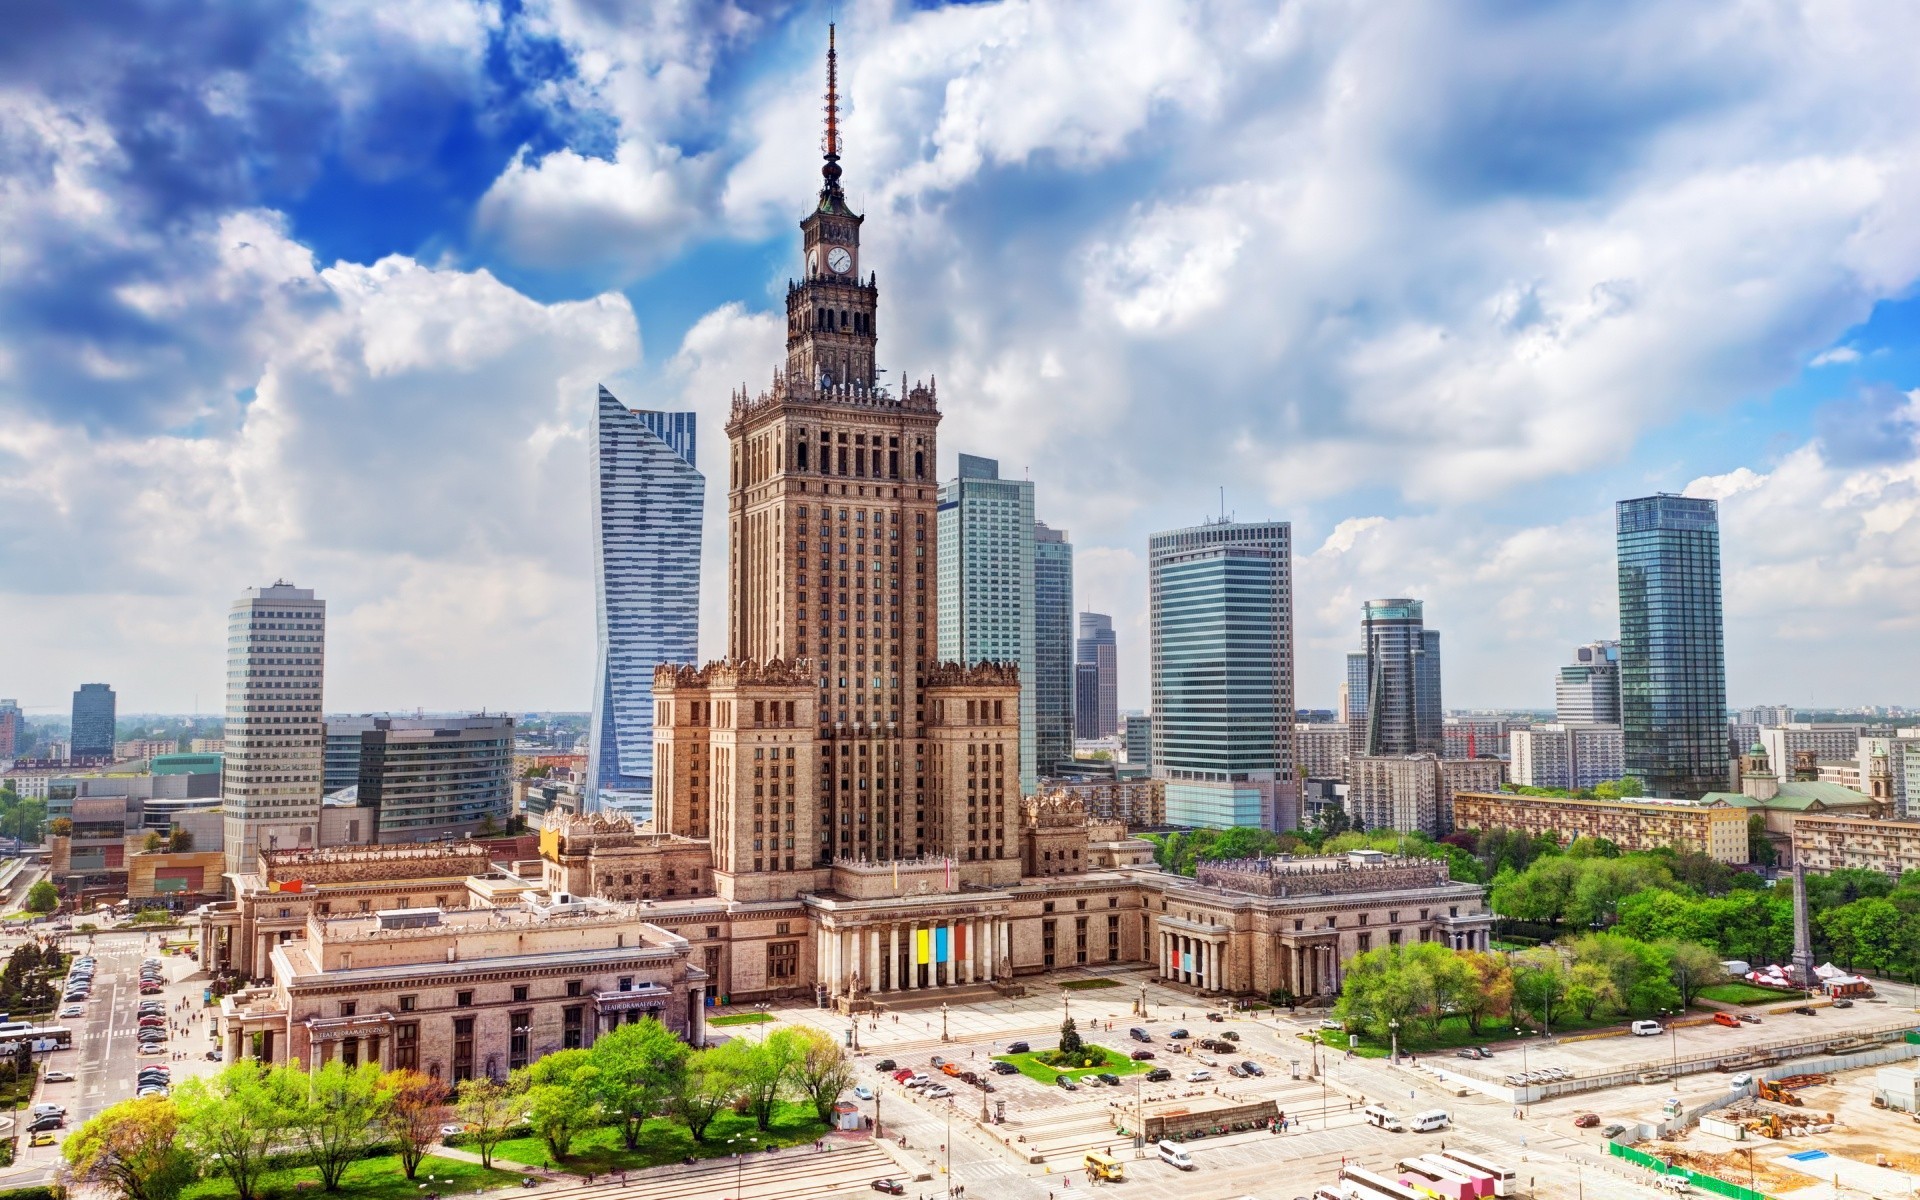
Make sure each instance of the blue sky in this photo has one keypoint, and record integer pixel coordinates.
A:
(322, 291)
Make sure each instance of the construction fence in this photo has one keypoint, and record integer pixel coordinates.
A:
(1706, 1183)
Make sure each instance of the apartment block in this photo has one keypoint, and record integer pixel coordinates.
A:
(1718, 831)
(1575, 757)
(1828, 843)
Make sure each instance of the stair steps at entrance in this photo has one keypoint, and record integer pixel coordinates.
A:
(970, 993)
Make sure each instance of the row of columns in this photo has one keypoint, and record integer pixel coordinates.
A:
(1205, 970)
(884, 957)
(1315, 969)
(1471, 939)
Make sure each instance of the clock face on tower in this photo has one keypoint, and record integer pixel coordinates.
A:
(839, 261)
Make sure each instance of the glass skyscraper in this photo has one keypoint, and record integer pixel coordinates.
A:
(1052, 648)
(1222, 665)
(646, 548)
(93, 722)
(986, 612)
(1098, 714)
(1673, 676)
(1400, 683)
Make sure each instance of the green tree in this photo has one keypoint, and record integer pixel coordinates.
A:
(413, 1106)
(711, 1082)
(1540, 983)
(1070, 1042)
(636, 1070)
(42, 897)
(765, 1072)
(1654, 914)
(1760, 848)
(337, 1118)
(1590, 988)
(824, 1072)
(558, 1091)
(1691, 967)
(1864, 933)
(488, 1109)
(1490, 995)
(235, 1120)
(132, 1150)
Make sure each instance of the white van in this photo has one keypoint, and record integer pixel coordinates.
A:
(1647, 1029)
(1432, 1119)
(1174, 1156)
(1382, 1118)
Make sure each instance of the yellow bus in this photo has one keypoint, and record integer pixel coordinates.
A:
(1101, 1166)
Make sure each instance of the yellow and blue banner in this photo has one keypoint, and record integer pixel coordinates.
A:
(940, 944)
(920, 945)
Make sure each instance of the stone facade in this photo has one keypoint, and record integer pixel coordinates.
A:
(1140, 803)
(1831, 843)
(1719, 831)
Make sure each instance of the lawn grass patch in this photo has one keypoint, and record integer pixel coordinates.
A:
(748, 1018)
(1454, 1034)
(1747, 993)
(663, 1141)
(369, 1179)
(1117, 1063)
(1088, 985)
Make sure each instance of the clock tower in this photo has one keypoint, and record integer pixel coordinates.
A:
(830, 312)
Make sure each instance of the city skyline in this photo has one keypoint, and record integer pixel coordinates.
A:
(1463, 446)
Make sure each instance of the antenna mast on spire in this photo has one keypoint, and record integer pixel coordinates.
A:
(830, 144)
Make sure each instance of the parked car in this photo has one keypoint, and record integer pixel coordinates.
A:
(1159, 1075)
(1803, 1010)
(1142, 1055)
(1236, 1072)
(863, 1092)
(1587, 1121)
(1139, 1035)
(43, 1138)
(1110, 1079)
(1213, 1016)
(1613, 1130)
(938, 1091)
(1251, 1067)
(1739, 1081)
(1001, 1068)
(903, 1074)
(1179, 1033)
(58, 1077)
(1843, 1002)
(72, 1010)
(47, 1122)
(1330, 1023)
(886, 1064)
(1230, 1035)
(890, 1187)
(1750, 1018)
(1018, 1048)
(1726, 1019)
(952, 1069)
(1199, 1075)
(1466, 1052)
(1067, 1084)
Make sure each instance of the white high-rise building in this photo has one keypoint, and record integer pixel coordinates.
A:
(1587, 691)
(1566, 755)
(275, 740)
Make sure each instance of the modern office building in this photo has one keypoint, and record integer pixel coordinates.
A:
(1136, 739)
(1587, 691)
(1401, 712)
(93, 722)
(646, 547)
(436, 779)
(1097, 648)
(342, 756)
(1053, 712)
(1086, 701)
(1673, 679)
(1787, 745)
(1477, 737)
(1562, 755)
(987, 610)
(13, 723)
(1766, 714)
(1353, 694)
(1414, 793)
(1221, 598)
(275, 755)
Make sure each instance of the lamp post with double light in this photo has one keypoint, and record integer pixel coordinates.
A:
(740, 1162)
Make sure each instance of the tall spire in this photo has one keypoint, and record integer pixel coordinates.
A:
(830, 145)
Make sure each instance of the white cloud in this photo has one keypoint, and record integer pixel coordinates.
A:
(1835, 356)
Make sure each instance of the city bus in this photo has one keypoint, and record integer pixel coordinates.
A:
(1429, 1180)
(1102, 1166)
(1481, 1181)
(50, 1037)
(1503, 1180)
(1373, 1186)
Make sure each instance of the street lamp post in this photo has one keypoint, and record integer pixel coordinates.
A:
(739, 1163)
(1524, 1085)
(1393, 1027)
(943, 1021)
(1143, 999)
(949, 1133)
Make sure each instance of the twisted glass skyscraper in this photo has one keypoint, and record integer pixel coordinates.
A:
(646, 549)
(1052, 648)
(1673, 675)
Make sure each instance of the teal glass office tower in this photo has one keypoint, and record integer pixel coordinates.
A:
(1052, 648)
(646, 548)
(93, 722)
(1221, 596)
(986, 597)
(1673, 674)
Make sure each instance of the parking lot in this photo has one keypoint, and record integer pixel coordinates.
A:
(111, 1045)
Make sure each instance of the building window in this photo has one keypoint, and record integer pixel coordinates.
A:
(1080, 940)
(782, 928)
(349, 1007)
(519, 993)
(407, 1003)
(783, 960)
(572, 1025)
(520, 1025)
(573, 987)
(1046, 943)
(1113, 939)
(462, 1049)
(406, 1045)
(463, 999)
